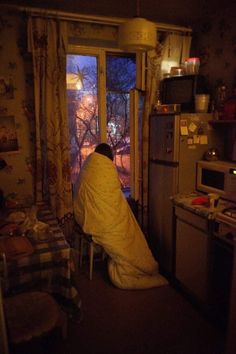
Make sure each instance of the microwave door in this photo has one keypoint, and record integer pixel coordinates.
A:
(217, 177)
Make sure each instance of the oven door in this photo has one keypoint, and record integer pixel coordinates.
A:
(225, 229)
(221, 266)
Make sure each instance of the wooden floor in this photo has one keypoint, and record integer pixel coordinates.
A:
(115, 321)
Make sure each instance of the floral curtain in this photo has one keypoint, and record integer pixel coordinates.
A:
(47, 40)
(154, 59)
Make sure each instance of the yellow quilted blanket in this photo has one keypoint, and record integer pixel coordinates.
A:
(102, 211)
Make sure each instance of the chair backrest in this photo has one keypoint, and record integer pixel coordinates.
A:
(3, 330)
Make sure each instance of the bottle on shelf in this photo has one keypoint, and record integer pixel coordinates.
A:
(221, 96)
(230, 107)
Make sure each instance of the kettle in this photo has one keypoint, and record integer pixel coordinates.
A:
(212, 154)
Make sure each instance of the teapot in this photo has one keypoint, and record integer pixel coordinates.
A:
(212, 154)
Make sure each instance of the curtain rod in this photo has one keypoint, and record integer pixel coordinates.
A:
(115, 21)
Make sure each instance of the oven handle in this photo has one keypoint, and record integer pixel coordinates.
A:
(227, 221)
(223, 242)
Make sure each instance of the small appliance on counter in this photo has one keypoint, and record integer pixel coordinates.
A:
(182, 90)
(217, 177)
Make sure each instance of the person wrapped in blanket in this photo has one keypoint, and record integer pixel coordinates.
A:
(102, 211)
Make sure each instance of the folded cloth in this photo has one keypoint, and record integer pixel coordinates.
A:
(200, 201)
(102, 210)
(15, 246)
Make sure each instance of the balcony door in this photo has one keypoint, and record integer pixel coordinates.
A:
(99, 83)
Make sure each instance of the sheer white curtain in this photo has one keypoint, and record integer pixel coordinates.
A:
(176, 50)
(154, 59)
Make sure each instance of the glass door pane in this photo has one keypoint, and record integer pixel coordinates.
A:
(120, 79)
(82, 103)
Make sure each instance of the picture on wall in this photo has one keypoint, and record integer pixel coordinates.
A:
(8, 135)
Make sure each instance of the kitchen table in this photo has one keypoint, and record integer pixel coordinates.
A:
(48, 268)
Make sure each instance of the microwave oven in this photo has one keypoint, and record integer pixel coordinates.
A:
(182, 90)
(217, 177)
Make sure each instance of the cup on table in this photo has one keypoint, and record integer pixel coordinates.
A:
(202, 103)
(213, 200)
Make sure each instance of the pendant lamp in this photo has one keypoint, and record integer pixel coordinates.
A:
(137, 34)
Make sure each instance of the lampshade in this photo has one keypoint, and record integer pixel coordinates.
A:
(137, 34)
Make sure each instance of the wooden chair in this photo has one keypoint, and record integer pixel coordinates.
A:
(81, 240)
(27, 315)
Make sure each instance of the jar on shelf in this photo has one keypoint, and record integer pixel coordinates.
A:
(192, 66)
(229, 111)
(221, 96)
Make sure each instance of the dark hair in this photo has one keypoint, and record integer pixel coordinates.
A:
(104, 149)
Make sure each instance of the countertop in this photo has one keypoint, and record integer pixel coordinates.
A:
(185, 201)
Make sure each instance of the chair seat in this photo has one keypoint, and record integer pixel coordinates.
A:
(30, 315)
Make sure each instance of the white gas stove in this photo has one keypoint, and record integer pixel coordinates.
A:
(225, 224)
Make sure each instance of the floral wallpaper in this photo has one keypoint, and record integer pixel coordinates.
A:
(16, 149)
(214, 42)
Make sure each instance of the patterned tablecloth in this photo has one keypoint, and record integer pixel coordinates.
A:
(49, 267)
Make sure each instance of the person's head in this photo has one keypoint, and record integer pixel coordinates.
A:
(104, 149)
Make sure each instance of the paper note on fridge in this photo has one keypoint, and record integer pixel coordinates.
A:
(192, 127)
(183, 127)
(203, 139)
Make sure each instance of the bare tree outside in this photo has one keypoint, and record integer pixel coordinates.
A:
(83, 110)
(120, 79)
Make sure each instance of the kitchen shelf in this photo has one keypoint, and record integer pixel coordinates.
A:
(222, 122)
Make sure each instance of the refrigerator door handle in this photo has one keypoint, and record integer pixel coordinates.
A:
(165, 163)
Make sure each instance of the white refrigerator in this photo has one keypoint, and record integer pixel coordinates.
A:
(177, 142)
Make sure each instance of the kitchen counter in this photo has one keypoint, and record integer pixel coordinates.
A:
(185, 201)
(203, 263)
